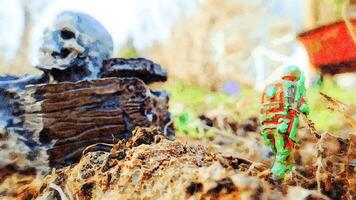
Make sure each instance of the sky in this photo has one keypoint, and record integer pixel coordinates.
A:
(144, 21)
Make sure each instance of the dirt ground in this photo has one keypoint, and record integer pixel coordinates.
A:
(235, 166)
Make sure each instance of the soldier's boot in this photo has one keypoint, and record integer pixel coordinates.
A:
(280, 165)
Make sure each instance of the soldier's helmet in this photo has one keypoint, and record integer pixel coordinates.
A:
(292, 71)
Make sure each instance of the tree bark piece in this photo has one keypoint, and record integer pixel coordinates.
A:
(68, 117)
(141, 68)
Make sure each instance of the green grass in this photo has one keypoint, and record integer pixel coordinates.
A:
(199, 98)
(189, 101)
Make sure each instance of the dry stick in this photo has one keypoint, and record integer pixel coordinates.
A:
(311, 126)
(336, 105)
(340, 107)
(319, 162)
(320, 149)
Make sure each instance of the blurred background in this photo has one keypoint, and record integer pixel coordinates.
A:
(219, 54)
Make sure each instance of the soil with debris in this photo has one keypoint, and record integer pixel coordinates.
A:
(148, 166)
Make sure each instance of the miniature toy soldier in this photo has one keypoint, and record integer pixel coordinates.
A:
(282, 102)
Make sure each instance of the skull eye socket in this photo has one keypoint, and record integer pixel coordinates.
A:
(66, 35)
(62, 54)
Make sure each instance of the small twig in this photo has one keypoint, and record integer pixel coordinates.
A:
(165, 129)
(69, 191)
(59, 190)
(252, 167)
(299, 176)
(263, 173)
(317, 175)
(96, 144)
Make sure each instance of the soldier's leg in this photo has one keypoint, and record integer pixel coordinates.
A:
(268, 139)
(280, 165)
(289, 146)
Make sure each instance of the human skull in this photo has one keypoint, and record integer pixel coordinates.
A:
(75, 39)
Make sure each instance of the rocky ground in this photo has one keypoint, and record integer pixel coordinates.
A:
(148, 166)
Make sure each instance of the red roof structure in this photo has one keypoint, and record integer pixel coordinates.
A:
(331, 48)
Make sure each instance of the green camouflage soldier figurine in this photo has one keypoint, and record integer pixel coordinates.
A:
(282, 102)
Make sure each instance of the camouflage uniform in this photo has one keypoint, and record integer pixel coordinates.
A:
(281, 103)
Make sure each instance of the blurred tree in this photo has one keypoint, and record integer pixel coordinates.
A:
(337, 3)
(320, 12)
(217, 43)
(30, 9)
(128, 50)
(311, 18)
(22, 52)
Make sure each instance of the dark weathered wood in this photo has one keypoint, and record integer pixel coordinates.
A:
(16, 83)
(67, 117)
(141, 68)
